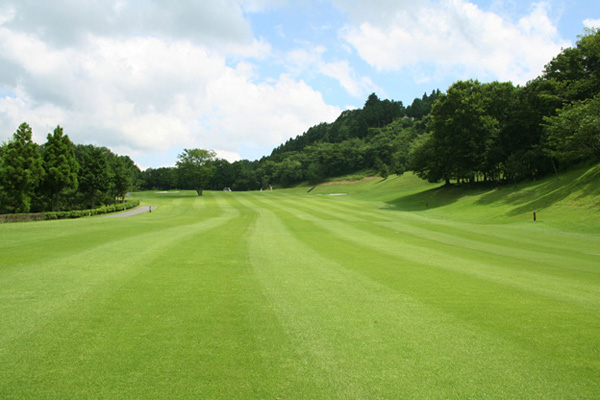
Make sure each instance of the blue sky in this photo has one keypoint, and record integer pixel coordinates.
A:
(148, 78)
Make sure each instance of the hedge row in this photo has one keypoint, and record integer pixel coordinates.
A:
(22, 217)
(70, 214)
(96, 211)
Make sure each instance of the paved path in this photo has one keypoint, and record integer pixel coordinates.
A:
(133, 211)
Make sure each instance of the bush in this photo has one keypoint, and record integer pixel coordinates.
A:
(106, 209)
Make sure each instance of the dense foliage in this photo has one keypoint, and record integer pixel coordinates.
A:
(493, 132)
(195, 168)
(59, 175)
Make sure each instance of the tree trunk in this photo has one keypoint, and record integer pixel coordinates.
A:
(199, 191)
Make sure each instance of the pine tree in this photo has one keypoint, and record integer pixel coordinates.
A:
(21, 171)
(61, 166)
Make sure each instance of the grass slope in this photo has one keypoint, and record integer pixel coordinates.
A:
(399, 289)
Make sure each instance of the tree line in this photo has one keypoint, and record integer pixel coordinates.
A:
(474, 132)
(499, 132)
(59, 175)
(375, 137)
(490, 132)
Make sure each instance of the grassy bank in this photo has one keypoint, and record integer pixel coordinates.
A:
(376, 289)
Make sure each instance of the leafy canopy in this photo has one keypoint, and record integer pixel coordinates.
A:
(196, 168)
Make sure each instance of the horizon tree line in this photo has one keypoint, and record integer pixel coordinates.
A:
(474, 132)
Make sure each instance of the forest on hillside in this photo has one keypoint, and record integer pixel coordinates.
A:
(491, 132)
(474, 132)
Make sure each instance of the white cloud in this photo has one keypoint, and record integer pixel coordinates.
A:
(67, 22)
(310, 60)
(228, 155)
(592, 23)
(451, 35)
(346, 76)
(145, 94)
(148, 78)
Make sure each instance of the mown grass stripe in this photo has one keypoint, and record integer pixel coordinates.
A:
(321, 298)
(288, 295)
(506, 266)
(537, 240)
(539, 254)
(572, 328)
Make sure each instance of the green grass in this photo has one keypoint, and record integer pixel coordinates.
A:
(398, 289)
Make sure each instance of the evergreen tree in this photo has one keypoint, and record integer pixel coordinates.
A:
(123, 175)
(61, 166)
(21, 171)
(94, 178)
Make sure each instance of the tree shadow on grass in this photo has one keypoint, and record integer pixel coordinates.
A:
(580, 185)
(432, 198)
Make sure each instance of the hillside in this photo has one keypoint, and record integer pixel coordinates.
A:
(569, 202)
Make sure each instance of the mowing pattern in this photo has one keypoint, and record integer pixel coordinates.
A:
(281, 295)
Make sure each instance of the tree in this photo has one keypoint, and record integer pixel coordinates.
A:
(462, 129)
(61, 166)
(423, 160)
(223, 175)
(21, 171)
(123, 173)
(577, 70)
(94, 178)
(196, 168)
(289, 172)
(574, 133)
(164, 178)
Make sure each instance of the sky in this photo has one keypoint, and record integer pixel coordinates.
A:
(149, 78)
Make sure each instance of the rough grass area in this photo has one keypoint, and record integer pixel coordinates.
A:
(400, 289)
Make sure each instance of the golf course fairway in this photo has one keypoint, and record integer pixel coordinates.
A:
(393, 289)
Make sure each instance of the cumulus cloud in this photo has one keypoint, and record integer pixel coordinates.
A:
(311, 60)
(149, 92)
(448, 35)
(67, 22)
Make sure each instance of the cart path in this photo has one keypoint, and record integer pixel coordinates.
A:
(132, 212)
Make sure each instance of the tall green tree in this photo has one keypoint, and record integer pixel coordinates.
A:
(577, 69)
(123, 171)
(61, 166)
(94, 177)
(462, 129)
(21, 171)
(196, 168)
(574, 133)
(423, 160)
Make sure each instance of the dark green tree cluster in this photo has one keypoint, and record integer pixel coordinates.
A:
(60, 175)
(498, 132)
